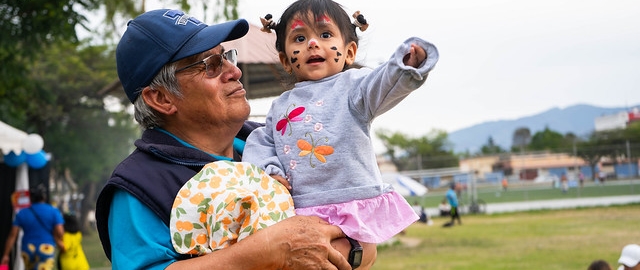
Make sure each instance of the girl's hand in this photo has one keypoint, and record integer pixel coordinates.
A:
(415, 57)
(282, 180)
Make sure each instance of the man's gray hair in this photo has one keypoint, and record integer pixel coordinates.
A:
(146, 116)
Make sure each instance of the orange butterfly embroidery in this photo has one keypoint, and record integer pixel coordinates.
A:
(319, 151)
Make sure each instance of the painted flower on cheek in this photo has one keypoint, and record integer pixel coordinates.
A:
(317, 127)
(308, 118)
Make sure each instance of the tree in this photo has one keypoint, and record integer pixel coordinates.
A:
(521, 139)
(611, 144)
(491, 148)
(426, 152)
(596, 147)
(27, 27)
(85, 139)
(547, 140)
(116, 10)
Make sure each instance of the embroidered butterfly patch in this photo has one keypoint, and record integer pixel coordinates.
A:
(319, 151)
(293, 116)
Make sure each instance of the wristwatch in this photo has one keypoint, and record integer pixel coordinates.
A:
(355, 254)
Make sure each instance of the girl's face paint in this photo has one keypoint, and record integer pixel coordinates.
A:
(338, 54)
(315, 51)
(294, 59)
(324, 19)
(297, 24)
(313, 42)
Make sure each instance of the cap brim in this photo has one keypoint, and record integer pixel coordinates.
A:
(211, 36)
(628, 261)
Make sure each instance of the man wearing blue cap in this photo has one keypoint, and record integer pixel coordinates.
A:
(192, 107)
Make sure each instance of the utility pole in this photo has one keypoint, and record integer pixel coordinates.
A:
(631, 176)
(576, 172)
(629, 160)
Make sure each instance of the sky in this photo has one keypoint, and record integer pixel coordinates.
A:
(499, 59)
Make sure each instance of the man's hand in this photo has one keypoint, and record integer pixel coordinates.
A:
(307, 244)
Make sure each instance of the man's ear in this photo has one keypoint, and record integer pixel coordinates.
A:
(159, 100)
(350, 56)
(285, 62)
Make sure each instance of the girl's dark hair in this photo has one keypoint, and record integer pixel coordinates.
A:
(71, 223)
(316, 8)
(599, 265)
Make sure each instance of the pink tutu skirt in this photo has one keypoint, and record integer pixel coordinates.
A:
(373, 220)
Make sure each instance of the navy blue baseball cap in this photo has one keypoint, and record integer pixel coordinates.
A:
(163, 36)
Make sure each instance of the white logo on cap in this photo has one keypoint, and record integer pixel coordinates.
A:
(181, 18)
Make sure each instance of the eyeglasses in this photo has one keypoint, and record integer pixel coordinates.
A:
(213, 63)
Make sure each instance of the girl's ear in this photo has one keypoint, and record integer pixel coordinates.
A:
(158, 100)
(350, 56)
(285, 62)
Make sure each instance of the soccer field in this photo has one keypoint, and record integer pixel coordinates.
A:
(549, 239)
(532, 192)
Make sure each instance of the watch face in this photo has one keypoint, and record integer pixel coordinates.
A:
(355, 257)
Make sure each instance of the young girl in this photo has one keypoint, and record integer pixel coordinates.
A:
(73, 258)
(317, 139)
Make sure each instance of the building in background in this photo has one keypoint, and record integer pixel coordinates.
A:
(617, 121)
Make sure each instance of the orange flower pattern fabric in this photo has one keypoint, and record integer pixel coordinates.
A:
(41, 257)
(224, 203)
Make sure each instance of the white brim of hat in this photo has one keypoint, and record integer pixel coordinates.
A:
(628, 261)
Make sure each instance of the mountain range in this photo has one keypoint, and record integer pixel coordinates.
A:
(577, 119)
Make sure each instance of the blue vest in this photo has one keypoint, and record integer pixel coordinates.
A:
(154, 173)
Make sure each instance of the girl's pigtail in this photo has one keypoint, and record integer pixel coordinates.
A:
(360, 21)
(268, 23)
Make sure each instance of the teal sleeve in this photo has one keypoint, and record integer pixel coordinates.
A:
(139, 238)
(238, 145)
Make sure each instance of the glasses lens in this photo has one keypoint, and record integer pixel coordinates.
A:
(214, 65)
(214, 62)
(232, 56)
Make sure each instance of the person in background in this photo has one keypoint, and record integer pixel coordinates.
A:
(73, 258)
(599, 265)
(505, 184)
(42, 227)
(630, 257)
(193, 110)
(419, 209)
(445, 208)
(602, 176)
(564, 183)
(452, 198)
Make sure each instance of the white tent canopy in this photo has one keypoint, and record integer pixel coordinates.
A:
(404, 184)
(11, 139)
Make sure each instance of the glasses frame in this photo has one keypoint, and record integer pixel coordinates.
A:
(230, 55)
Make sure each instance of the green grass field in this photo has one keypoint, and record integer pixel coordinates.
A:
(549, 239)
(560, 239)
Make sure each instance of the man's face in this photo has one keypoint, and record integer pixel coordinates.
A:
(637, 267)
(212, 101)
